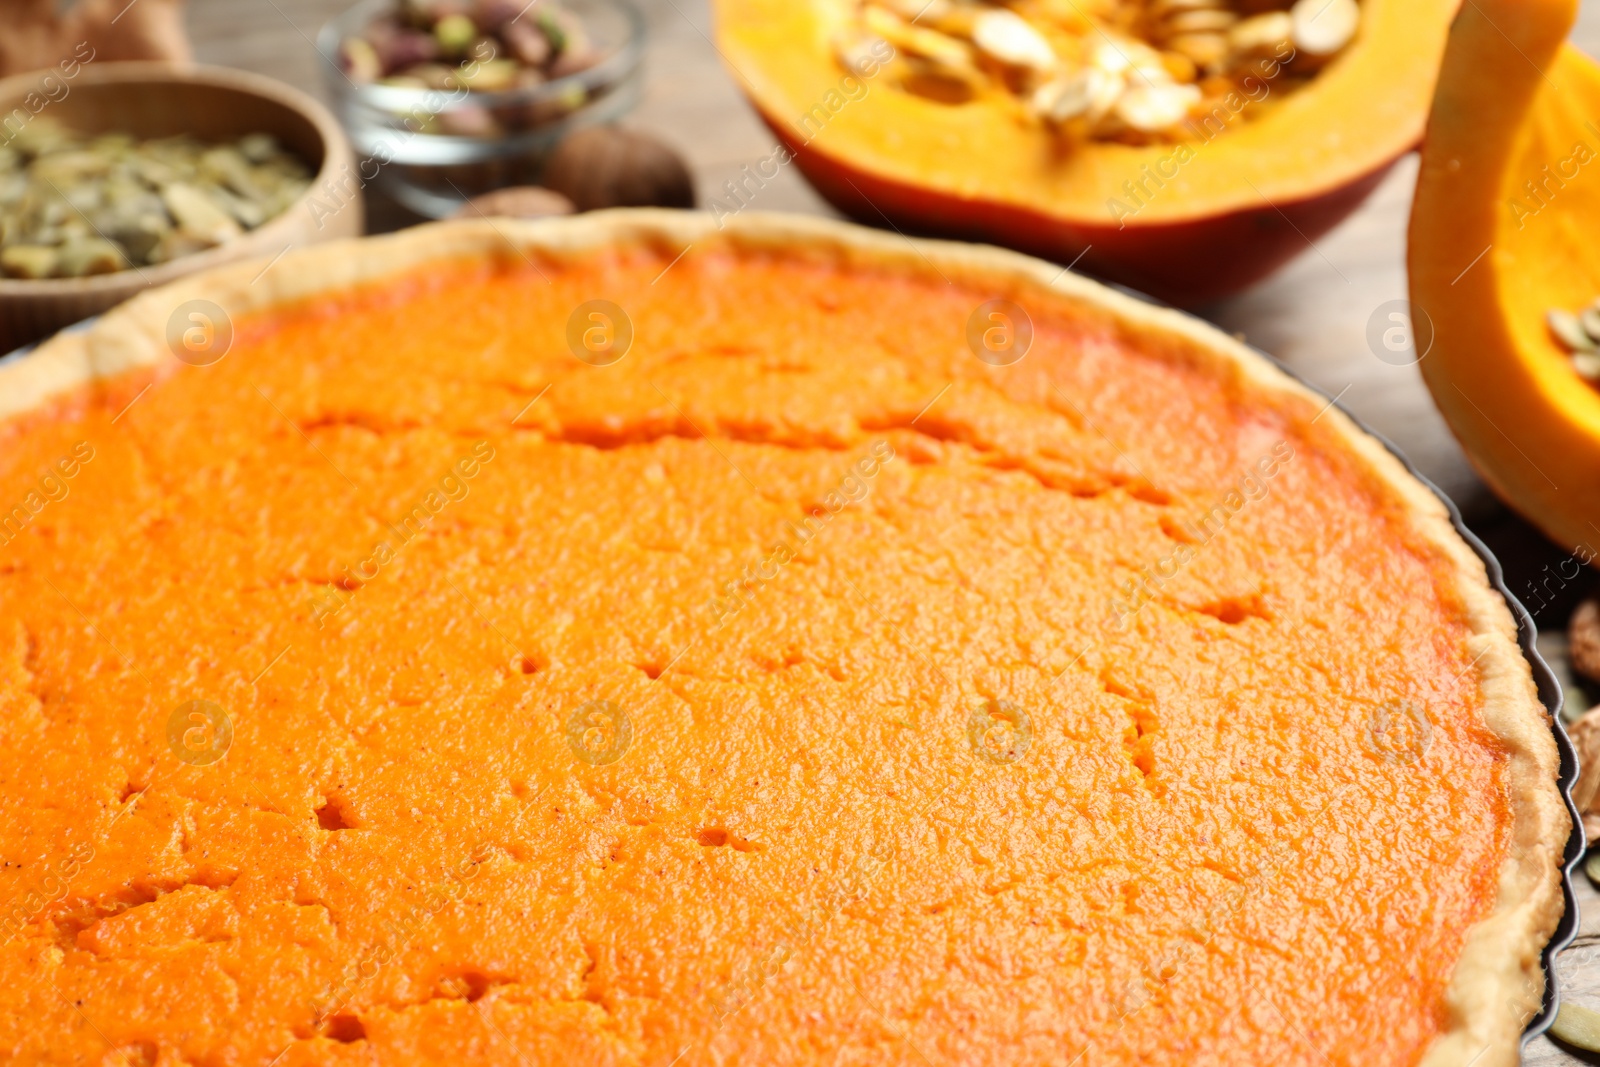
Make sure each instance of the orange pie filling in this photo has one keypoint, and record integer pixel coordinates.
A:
(794, 687)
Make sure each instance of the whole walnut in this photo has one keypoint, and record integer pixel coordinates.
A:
(1583, 633)
(41, 33)
(516, 202)
(609, 166)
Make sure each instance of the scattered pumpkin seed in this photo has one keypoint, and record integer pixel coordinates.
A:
(1577, 1025)
(1591, 866)
(72, 205)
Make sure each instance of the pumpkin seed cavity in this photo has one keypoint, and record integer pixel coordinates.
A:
(73, 205)
(1134, 71)
(1579, 334)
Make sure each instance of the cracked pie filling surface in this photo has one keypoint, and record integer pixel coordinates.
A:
(547, 645)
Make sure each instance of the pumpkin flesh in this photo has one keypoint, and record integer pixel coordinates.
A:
(1187, 222)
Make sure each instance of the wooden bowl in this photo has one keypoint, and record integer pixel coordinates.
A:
(161, 100)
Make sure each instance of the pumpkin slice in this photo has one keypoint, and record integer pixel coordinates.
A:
(1502, 231)
(1189, 220)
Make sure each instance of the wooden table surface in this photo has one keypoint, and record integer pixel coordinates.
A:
(1312, 315)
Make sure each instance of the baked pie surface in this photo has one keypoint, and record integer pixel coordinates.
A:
(797, 687)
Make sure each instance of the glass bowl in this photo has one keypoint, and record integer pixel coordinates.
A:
(431, 149)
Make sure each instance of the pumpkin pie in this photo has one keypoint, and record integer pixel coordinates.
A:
(625, 640)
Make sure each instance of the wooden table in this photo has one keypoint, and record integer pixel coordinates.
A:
(1312, 315)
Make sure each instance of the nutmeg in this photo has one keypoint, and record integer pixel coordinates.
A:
(609, 166)
(516, 202)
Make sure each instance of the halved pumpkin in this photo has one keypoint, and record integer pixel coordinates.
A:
(1490, 254)
(1185, 222)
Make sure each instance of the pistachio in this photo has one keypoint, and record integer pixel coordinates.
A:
(198, 215)
(454, 34)
(72, 206)
(28, 261)
(527, 43)
(90, 255)
(360, 60)
(495, 76)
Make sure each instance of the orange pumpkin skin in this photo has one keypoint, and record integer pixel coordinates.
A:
(1487, 257)
(1251, 196)
(1187, 264)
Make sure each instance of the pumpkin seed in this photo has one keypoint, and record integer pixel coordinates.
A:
(942, 85)
(1142, 49)
(1156, 107)
(1207, 51)
(1163, 9)
(1087, 92)
(938, 47)
(857, 50)
(1263, 34)
(1587, 364)
(925, 12)
(1179, 67)
(1568, 330)
(1002, 34)
(1201, 20)
(1323, 27)
(1577, 1025)
(1589, 319)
